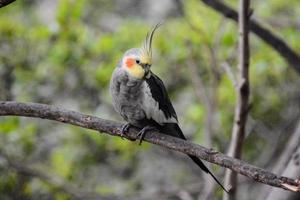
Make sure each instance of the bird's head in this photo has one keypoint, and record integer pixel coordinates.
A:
(137, 61)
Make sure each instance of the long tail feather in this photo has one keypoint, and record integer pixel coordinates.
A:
(204, 168)
(174, 130)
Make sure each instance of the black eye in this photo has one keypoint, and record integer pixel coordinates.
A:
(137, 61)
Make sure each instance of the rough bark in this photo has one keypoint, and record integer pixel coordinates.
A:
(114, 128)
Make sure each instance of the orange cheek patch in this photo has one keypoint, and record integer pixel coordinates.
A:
(130, 62)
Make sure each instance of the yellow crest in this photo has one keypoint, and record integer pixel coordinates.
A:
(146, 56)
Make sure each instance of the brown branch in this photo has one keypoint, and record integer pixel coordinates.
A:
(9, 108)
(292, 57)
(5, 2)
(242, 105)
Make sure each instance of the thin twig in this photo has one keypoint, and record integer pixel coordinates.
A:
(242, 105)
(5, 2)
(9, 108)
(230, 74)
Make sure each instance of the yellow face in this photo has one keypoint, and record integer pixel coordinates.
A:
(135, 65)
(138, 63)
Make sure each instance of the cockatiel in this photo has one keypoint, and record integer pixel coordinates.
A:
(141, 98)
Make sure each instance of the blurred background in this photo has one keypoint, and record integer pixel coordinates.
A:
(63, 53)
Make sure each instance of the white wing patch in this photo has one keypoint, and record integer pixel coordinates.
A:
(152, 108)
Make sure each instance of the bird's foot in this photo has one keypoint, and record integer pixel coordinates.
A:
(142, 133)
(125, 129)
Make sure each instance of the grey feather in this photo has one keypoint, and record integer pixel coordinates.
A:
(127, 96)
(144, 102)
(132, 98)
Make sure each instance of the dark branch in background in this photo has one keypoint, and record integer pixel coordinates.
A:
(114, 128)
(5, 2)
(292, 57)
(242, 104)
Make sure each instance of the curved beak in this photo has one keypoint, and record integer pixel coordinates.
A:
(146, 67)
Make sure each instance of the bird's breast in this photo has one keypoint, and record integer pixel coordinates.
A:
(127, 99)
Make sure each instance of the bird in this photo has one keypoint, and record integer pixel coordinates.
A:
(141, 98)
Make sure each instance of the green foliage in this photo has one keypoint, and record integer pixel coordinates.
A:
(68, 60)
(9, 125)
